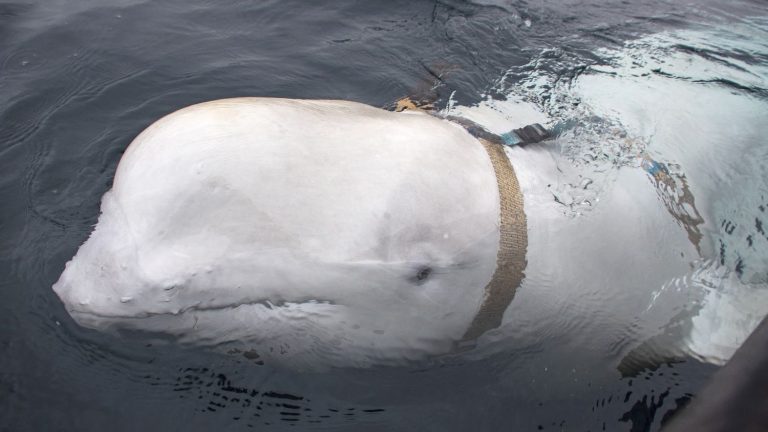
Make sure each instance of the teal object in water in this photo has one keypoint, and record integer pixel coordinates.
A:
(510, 138)
(531, 134)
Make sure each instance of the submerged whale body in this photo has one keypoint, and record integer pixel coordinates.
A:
(300, 232)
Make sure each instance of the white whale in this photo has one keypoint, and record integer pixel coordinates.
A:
(329, 233)
(301, 232)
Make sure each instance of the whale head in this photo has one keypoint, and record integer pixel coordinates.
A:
(310, 232)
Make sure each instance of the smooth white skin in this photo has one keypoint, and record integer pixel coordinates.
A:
(296, 229)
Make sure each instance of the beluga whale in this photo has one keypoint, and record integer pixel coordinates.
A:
(306, 233)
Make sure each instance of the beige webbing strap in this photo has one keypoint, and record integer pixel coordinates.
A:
(513, 244)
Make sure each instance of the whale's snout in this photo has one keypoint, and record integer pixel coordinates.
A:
(83, 300)
(100, 281)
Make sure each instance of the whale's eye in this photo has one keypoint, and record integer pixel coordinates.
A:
(422, 274)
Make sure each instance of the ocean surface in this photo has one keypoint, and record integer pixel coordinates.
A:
(651, 269)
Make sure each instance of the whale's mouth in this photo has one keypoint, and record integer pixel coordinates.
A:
(267, 303)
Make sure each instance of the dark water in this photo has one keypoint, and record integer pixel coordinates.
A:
(80, 79)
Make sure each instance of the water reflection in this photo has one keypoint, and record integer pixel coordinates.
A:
(217, 393)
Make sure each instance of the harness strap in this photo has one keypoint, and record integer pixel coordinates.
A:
(513, 244)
